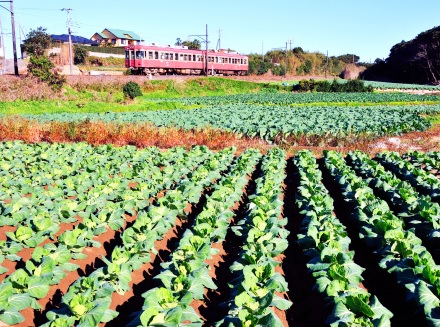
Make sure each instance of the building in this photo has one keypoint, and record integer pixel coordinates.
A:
(119, 38)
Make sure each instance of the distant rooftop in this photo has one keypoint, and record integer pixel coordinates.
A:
(75, 39)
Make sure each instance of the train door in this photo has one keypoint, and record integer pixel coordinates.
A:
(129, 57)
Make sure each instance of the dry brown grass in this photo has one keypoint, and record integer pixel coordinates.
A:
(145, 134)
(352, 71)
(25, 88)
(140, 134)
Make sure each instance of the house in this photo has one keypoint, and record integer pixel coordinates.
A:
(119, 38)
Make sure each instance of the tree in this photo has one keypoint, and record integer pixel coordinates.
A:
(349, 58)
(414, 61)
(37, 42)
(193, 45)
(298, 50)
(40, 66)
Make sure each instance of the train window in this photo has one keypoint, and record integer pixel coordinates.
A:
(176, 56)
(185, 57)
(244, 61)
(189, 57)
(194, 57)
(216, 59)
(156, 55)
(140, 54)
(150, 55)
(166, 56)
(199, 58)
(171, 56)
(127, 54)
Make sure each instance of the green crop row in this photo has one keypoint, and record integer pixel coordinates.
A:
(272, 122)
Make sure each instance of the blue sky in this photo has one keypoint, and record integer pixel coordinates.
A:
(366, 28)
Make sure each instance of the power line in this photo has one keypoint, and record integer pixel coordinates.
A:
(39, 9)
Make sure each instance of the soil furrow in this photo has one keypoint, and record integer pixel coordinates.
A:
(376, 280)
(214, 308)
(309, 307)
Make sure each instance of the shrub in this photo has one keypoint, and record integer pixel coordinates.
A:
(80, 54)
(42, 68)
(132, 90)
(325, 86)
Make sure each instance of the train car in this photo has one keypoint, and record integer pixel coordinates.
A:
(169, 60)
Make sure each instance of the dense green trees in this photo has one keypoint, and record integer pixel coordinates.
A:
(414, 61)
(193, 45)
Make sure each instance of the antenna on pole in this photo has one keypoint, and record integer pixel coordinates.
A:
(70, 39)
(21, 33)
(218, 41)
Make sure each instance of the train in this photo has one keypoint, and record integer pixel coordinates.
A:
(179, 60)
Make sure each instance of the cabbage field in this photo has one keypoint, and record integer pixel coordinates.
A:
(294, 119)
(271, 122)
(120, 236)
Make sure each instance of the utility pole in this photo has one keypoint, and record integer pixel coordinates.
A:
(206, 54)
(14, 45)
(70, 39)
(285, 63)
(3, 48)
(206, 70)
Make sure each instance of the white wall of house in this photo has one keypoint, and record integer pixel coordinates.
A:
(94, 54)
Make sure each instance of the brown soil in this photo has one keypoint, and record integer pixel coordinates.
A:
(421, 141)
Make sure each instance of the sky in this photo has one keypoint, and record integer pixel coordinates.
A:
(365, 28)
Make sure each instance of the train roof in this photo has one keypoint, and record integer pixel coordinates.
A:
(181, 49)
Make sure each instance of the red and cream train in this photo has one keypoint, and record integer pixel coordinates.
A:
(168, 60)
